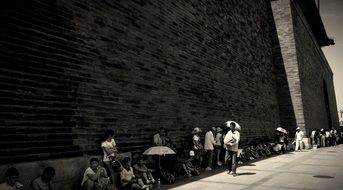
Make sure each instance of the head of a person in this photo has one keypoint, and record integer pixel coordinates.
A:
(298, 129)
(219, 129)
(233, 126)
(108, 135)
(196, 131)
(48, 174)
(94, 163)
(126, 162)
(213, 129)
(162, 131)
(12, 176)
(140, 160)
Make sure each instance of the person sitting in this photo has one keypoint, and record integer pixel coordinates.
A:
(96, 177)
(186, 164)
(12, 183)
(142, 172)
(44, 181)
(128, 178)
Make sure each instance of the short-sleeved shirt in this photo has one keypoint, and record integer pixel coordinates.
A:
(128, 175)
(107, 144)
(196, 138)
(89, 171)
(158, 140)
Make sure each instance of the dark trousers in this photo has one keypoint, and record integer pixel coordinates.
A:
(231, 161)
(209, 158)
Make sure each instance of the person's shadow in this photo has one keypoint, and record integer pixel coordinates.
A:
(246, 173)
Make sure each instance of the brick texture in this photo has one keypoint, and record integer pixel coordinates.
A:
(71, 69)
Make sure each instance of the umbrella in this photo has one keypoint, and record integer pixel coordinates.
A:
(238, 127)
(282, 130)
(160, 151)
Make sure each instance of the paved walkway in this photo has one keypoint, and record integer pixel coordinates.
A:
(320, 169)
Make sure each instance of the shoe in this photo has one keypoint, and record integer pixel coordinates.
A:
(208, 169)
(234, 174)
(189, 175)
(145, 187)
(240, 162)
(219, 163)
(153, 181)
(229, 172)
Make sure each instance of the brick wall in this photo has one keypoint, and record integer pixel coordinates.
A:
(71, 69)
(307, 70)
(314, 72)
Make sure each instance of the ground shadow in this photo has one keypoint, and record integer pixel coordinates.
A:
(249, 164)
(246, 173)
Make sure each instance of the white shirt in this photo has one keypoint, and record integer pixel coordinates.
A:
(232, 140)
(110, 145)
(299, 136)
(91, 172)
(127, 175)
(209, 141)
(158, 140)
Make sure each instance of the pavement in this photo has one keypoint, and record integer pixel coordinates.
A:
(320, 169)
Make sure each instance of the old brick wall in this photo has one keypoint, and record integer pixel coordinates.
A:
(71, 69)
(314, 72)
(290, 98)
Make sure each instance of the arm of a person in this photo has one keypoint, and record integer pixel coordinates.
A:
(212, 139)
(103, 173)
(95, 176)
(237, 137)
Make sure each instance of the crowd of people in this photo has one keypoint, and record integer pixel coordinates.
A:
(220, 146)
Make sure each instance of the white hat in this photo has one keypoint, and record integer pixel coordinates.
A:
(196, 130)
(191, 153)
(298, 128)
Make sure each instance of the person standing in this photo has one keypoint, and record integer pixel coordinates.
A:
(298, 139)
(197, 146)
(231, 141)
(218, 144)
(159, 138)
(209, 148)
(110, 151)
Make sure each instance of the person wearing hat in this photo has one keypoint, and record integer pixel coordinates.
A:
(218, 144)
(298, 139)
(197, 146)
(231, 141)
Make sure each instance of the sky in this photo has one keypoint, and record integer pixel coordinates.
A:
(331, 12)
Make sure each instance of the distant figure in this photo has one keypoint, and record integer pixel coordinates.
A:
(298, 139)
(110, 151)
(322, 138)
(197, 146)
(231, 141)
(159, 138)
(12, 183)
(209, 147)
(95, 177)
(218, 144)
(44, 181)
